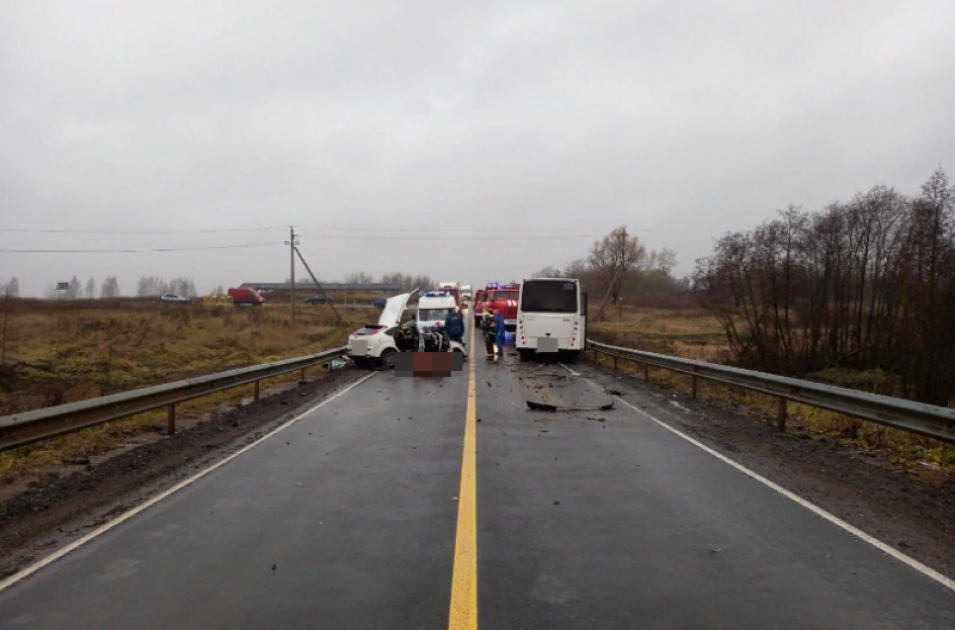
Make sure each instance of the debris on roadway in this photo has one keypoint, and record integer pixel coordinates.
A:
(537, 406)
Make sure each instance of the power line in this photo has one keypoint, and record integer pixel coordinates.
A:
(137, 251)
(450, 238)
(373, 228)
(129, 232)
(367, 228)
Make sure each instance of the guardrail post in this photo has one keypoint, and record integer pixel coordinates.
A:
(646, 373)
(302, 380)
(693, 387)
(256, 396)
(615, 362)
(781, 415)
(171, 420)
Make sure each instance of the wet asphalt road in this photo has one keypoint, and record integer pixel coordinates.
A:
(581, 524)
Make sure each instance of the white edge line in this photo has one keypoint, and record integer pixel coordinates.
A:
(927, 571)
(33, 568)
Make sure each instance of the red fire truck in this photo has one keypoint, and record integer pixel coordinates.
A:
(477, 305)
(453, 289)
(503, 297)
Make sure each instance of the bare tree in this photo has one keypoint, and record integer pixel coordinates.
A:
(110, 288)
(90, 292)
(75, 290)
(423, 282)
(663, 260)
(547, 272)
(11, 288)
(218, 291)
(8, 292)
(182, 286)
(657, 281)
(392, 278)
(152, 286)
(615, 259)
(7, 338)
(359, 277)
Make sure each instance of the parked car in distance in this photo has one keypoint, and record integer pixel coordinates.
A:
(317, 299)
(379, 302)
(246, 296)
(174, 299)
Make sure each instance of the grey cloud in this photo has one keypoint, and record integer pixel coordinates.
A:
(683, 120)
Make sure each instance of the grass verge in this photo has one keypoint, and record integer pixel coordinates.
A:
(64, 356)
(900, 447)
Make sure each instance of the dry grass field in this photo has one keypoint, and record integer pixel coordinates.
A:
(688, 333)
(56, 354)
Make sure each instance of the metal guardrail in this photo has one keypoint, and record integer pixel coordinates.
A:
(936, 422)
(23, 428)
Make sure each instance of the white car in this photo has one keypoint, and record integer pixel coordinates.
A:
(176, 299)
(375, 345)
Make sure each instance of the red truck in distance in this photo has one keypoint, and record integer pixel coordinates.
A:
(246, 296)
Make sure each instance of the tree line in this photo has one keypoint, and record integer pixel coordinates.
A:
(865, 284)
(148, 286)
(76, 291)
(155, 286)
(408, 282)
(618, 270)
(11, 288)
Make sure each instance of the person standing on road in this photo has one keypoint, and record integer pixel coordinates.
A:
(499, 331)
(454, 326)
(488, 326)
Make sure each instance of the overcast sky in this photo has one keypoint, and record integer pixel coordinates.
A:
(456, 136)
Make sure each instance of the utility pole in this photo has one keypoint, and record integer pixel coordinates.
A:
(292, 243)
(319, 285)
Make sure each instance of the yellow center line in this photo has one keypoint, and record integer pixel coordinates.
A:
(464, 603)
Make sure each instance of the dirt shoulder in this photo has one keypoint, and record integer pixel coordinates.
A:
(61, 508)
(912, 510)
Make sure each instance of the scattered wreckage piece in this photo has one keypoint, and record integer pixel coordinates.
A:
(538, 406)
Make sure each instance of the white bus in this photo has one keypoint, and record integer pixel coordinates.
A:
(551, 318)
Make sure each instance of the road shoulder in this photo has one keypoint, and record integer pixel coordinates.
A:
(58, 511)
(912, 514)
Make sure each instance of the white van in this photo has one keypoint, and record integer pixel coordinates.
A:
(433, 308)
(551, 318)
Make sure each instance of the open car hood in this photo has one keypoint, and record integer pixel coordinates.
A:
(394, 307)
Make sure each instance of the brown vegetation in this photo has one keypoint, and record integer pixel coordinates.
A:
(69, 351)
(863, 285)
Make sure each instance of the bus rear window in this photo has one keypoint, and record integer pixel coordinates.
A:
(549, 297)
